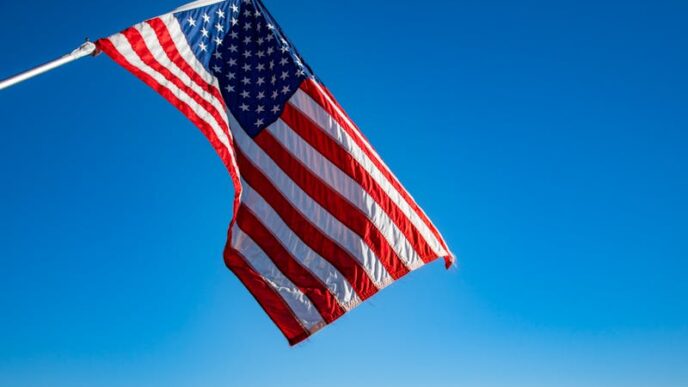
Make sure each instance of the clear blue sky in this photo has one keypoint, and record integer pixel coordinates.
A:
(547, 140)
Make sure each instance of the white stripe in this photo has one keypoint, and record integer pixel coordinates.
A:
(348, 188)
(311, 210)
(309, 259)
(304, 103)
(158, 52)
(299, 303)
(124, 47)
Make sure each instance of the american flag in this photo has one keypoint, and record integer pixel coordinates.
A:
(320, 223)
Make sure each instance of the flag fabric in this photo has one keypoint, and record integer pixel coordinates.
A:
(320, 223)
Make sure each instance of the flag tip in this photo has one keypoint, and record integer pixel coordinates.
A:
(449, 261)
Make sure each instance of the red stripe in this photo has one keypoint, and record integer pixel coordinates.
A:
(320, 296)
(309, 234)
(333, 202)
(331, 149)
(272, 303)
(139, 46)
(310, 88)
(175, 56)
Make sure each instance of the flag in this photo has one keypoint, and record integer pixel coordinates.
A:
(320, 223)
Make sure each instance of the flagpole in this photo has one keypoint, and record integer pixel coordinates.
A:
(85, 49)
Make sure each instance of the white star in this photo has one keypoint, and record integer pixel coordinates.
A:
(270, 50)
(234, 34)
(272, 64)
(285, 90)
(247, 40)
(218, 41)
(247, 13)
(260, 109)
(219, 27)
(259, 122)
(229, 88)
(206, 18)
(270, 26)
(284, 75)
(247, 54)
(273, 80)
(220, 13)
(246, 67)
(247, 26)
(243, 107)
(260, 54)
(234, 21)
(217, 55)
(275, 94)
(261, 95)
(191, 21)
(246, 81)
(269, 38)
(232, 62)
(217, 68)
(301, 73)
(256, 14)
(261, 41)
(202, 46)
(233, 48)
(284, 61)
(245, 94)
(204, 32)
(259, 27)
(275, 109)
(231, 75)
(284, 49)
(260, 67)
(235, 8)
(261, 80)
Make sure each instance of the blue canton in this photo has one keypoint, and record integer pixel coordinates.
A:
(258, 69)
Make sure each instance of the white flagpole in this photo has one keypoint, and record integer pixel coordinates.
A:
(85, 49)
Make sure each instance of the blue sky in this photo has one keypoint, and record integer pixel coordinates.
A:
(547, 140)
